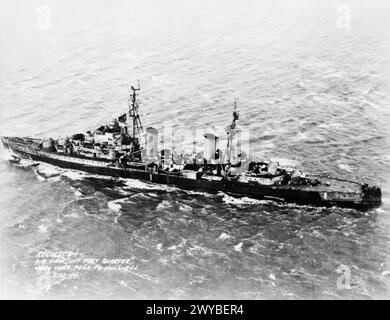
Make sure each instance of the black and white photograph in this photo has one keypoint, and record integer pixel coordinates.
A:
(176, 150)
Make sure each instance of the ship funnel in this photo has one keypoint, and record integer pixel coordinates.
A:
(210, 147)
(151, 141)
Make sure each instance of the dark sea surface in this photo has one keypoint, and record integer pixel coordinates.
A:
(313, 92)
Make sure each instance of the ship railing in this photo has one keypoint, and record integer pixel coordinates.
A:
(335, 178)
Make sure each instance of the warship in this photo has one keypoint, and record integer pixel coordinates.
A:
(122, 148)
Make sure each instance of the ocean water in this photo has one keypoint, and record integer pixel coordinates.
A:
(311, 79)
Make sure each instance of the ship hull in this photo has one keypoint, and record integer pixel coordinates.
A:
(256, 191)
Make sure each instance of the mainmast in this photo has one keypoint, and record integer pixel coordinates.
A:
(235, 115)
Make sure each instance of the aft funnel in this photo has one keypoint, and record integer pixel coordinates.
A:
(151, 142)
(210, 147)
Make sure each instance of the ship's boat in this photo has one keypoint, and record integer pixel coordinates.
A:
(116, 150)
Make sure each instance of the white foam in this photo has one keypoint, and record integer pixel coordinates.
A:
(25, 163)
(205, 251)
(71, 215)
(242, 201)
(318, 234)
(285, 162)
(206, 194)
(163, 205)
(42, 228)
(302, 136)
(74, 175)
(238, 247)
(47, 170)
(144, 185)
(39, 177)
(80, 175)
(133, 183)
(224, 236)
(113, 206)
(345, 167)
(380, 210)
(185, 207)
(78, 193)
(4, 153)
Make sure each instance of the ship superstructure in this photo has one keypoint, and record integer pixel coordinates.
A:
(122, 148)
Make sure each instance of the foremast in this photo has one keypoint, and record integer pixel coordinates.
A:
(231, 131)
(133, 112)
(137, 129)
